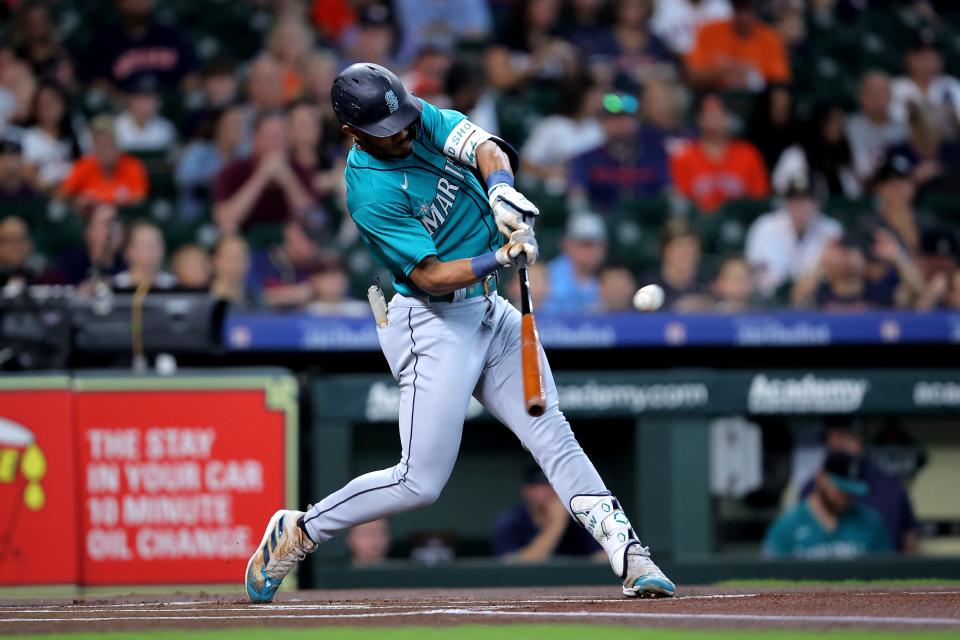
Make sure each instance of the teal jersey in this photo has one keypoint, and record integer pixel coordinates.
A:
(798, 534)
(430, 203)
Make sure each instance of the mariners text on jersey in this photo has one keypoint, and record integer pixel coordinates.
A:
(430, 203)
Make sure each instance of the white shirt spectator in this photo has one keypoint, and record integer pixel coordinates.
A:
(776, 253)
(676, 21)
(50, 156)
(558, 139)
(158, 134)
(868, 140)
(943, 95)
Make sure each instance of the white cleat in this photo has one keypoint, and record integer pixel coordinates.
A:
(644, 579)
(608, 524)
(283, 545)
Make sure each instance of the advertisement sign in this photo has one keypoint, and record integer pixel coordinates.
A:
(176, 485)
(38, 511)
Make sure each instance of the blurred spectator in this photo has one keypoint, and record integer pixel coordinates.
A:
(617, 288)
(926, 87)
(470, 94)
(539, 281)
(679, 273)
(332, 18)
(144, 254)
(630, 165)
(140, 127)
(662, 109)
(733, 287)
(540, 527)
(822, 154)
(105, 175)
(427, 75)
(373, 38)
(583, 19)
(138, 46)
(14, 185)
(714, 169)
(872, 129)
(231, 268)
(219, 90)
(289, 43)
(202, 160)
(264, 96)
(330, 282)
(17, 86)
(772, 126)
(282, 273)
(52, 143)
(739, 53)
(307, 153)
(439, 24)
(16, 249)
(945, 292)
(886, 494)
(936, 166)
(892, 235)
(830, 522)
(264, 187)
(677, 22)
(369, 543)
(529, 49)
(190, 267)
(574, 285)
(628, 52)
(573, 129)
(34, 39)
(99, 257)
(837, 283)
(319, 70)
(785, 244)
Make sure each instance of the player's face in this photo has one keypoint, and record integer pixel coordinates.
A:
(399, 145)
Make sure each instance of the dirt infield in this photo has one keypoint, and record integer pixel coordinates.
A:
(917, 608)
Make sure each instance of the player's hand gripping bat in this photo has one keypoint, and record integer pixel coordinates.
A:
(534, 394)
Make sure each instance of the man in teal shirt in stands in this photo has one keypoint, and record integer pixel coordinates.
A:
(829, 524)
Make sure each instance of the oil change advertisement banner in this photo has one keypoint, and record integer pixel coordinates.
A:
(175, 485)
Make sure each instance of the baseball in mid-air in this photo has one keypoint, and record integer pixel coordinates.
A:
(648, 298)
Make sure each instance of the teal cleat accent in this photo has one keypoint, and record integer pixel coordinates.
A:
(652, 586)
(283, 544)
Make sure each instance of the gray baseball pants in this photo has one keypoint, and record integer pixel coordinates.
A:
(442, 353)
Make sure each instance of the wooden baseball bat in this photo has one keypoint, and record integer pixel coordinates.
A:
(534, 393)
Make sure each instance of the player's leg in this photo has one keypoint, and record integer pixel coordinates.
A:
(550, 440)
(437, 355)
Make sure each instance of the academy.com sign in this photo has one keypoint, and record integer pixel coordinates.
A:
(808, 394)
(635, 398)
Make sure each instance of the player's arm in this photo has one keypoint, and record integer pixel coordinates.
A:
(439, 278)
(493, 158)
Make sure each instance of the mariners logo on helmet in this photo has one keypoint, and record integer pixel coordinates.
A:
(392, 103)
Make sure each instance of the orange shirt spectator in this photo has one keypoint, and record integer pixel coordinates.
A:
(711, 181)
(106, 175)
(740, 53)
(714, 169)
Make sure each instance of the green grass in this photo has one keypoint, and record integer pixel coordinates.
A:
(922, 582)
(512, 632)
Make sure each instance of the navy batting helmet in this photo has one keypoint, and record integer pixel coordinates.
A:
(372, 99)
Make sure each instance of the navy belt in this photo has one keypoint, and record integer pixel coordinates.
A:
(486, 286)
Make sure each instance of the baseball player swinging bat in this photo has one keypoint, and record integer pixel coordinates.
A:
(432, 196)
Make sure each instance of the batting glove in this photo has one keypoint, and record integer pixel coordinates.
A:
(522, 242)
(509, 207)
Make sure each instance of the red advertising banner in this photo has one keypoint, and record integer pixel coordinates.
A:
(38, 507)
(176, 485)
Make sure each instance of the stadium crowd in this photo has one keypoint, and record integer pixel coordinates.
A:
(740, 153)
